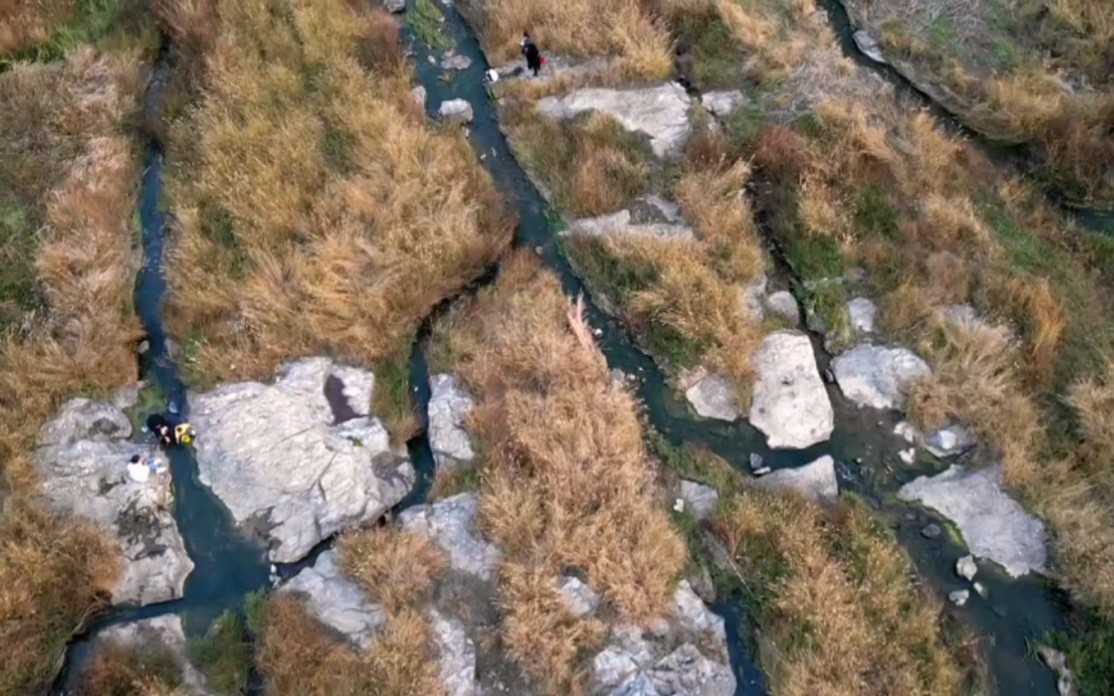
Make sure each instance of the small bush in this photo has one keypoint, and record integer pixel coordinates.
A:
(224, 654)
(396, 568)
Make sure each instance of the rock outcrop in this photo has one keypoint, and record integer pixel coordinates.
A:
(621, 224)
(701, 500)
(711, 396)
(722, 103)
(449, 406)
(862, 313)
(578, 597)
(82, 462)
(869, 46)
(783, 304)
(272, 454)
(451, 523)
(161, 630)
(660, 112)
(993, 525)
(790, 405)
(877, 376)
(455, 111)
(336, 601)
(456, 655)
(667, 662)
(815, 480)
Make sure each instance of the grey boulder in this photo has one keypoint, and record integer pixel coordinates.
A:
(783, 304)
(451, 523)
(449, 406)
(790, 404)
(950, 441)
(336, 601)
(815, 481)
(711, 396)
(877, 376)
(993, 525)
(699, 498)
(274, 457)
(862, 314)
(82, 465)
(869, 46)
(456, 655)
(455, 111)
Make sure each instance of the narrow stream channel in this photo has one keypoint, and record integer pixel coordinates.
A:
(228, 566)
(1016, 612)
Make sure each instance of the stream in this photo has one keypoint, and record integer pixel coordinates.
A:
(228, 566)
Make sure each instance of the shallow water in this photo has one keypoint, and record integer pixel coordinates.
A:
(1016, 611)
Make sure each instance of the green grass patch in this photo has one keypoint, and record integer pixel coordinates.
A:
(462, 479)
(18, 244)
(693, 463)
(392, 400)
(96, 22)
(255, 605)
(874, 215)
(224, 654)
(427, 23)
(152, 399)
(1090, 654)
(713, 50)
(743, 125)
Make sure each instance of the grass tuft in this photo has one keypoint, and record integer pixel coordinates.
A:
(223, 655)
(395, 568)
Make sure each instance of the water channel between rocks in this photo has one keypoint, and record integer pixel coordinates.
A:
(228, 566)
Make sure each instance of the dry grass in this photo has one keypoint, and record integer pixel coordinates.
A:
(395, 568)
(566, 485)
(298, 657)
(25, 23)
(308, 194)
(1031, 71)
(69, 171)
(833, 596)
(585, 28)
(127, 670)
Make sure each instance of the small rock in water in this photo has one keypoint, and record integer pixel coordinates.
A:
(931, 531)
(982, 589)
(959, 597)
(908, 455)
(755, 461)
(907, 431)
(679, 505)
(1052, 658)
(418, 95)
(394, 6)
(966, 568)
(432, 60)
(762, 471)
(456, 111)
(455, 61)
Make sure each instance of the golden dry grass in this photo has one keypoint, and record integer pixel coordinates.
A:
(298, 657)
(566, 484)
(833, 594)
(308, 194)
(1031, 71)
(128, 670)
(395, 568)
(620, 28)
(70, 169)
(25, 23)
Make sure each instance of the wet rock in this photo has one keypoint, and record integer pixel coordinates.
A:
(449, 406)
(451, 523)
(869, 46)
(357, 388)
(336, 601)
(877, 376)
(1056, 661)
(631, 665)
(931, 531)
(815, 480)
(455, 61)
(456, 655)
(418, 95)
(82, 466)
(981, 589)
(271, 453)
(580, 599)
(950, 441)
(959, 597)
(621, 224)
(693, 615)
(755, 461)
(701, 499)
(790, 405)
(966, 568)
(993, 525)
(711, 396)
(783, 304)
(394, 6)
(659, 112)
(908, 432)
(165, 630)
(455, 111)
(908, 455)
(722, 103)
(862, 314)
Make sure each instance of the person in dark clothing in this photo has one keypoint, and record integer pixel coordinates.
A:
(533, 55)
(168, 432)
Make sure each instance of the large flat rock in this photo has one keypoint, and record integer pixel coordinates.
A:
(660, 112)
(993, 525)
(336, 601)
(82, 464)
(790, 405)
(449, 406)
(878, 376)
(275, 458)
